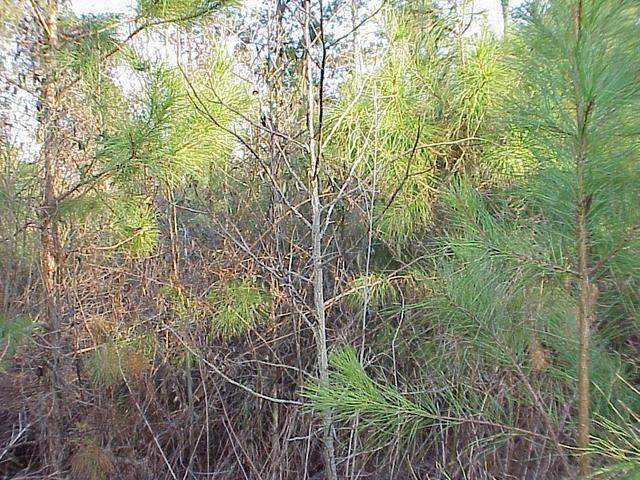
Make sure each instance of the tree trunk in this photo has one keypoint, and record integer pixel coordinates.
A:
(316, 239)
(586, 302)
(50, 253)
(355, 44)
(276, 101)
(505, 17)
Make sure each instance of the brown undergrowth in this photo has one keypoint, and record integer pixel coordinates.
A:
(152, 392)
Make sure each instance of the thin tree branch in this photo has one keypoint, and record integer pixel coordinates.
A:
(358, 26)
(226, 377)
(615, 250)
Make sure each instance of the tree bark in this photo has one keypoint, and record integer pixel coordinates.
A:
(316, 239)
(50, 251)
(505, 17)
(275, 81)
(588, 295)
(585, 317)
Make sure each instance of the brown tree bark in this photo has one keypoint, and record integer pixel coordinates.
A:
(588, 297)
(50, 249)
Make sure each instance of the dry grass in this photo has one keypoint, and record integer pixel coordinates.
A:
(91, 462)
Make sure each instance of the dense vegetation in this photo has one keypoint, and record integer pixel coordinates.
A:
(320, 239)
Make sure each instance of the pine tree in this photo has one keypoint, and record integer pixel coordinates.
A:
(531, 272)
(585, 84)
(441, 248)
(72, 56)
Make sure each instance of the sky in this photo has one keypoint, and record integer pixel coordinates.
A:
(491, 7)
(82, 7)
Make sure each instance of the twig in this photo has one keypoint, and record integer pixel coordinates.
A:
(148, 425)
(226, 377)
(614, 251)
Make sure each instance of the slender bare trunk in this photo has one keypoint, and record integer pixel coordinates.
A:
(505, 17)
(276, 149)
(355, 44)
(585, 312)
(586, 306)
(316, 238)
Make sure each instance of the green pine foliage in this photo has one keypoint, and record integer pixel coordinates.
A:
(602, 72)
(383, 410)
(480, 79)
(135, 224)
(179, 132)
(399, 106)
(449, 255)
(92, 38)
(15, 332)
(118, 361)
(238, 306)
(375, 290)
(422, 114)
(502, 298)
(618, 441)
(179, 10)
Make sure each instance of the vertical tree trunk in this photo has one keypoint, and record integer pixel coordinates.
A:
(50, 252)
(505, 17)
(276, 101)
(355, 44)
(587, 298)
(585, 318)
(316, 239)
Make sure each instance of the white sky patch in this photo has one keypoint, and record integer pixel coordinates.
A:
(489, 13)
(83, 7)
(491, 10)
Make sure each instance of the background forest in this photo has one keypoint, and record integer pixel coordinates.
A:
(320, 239)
